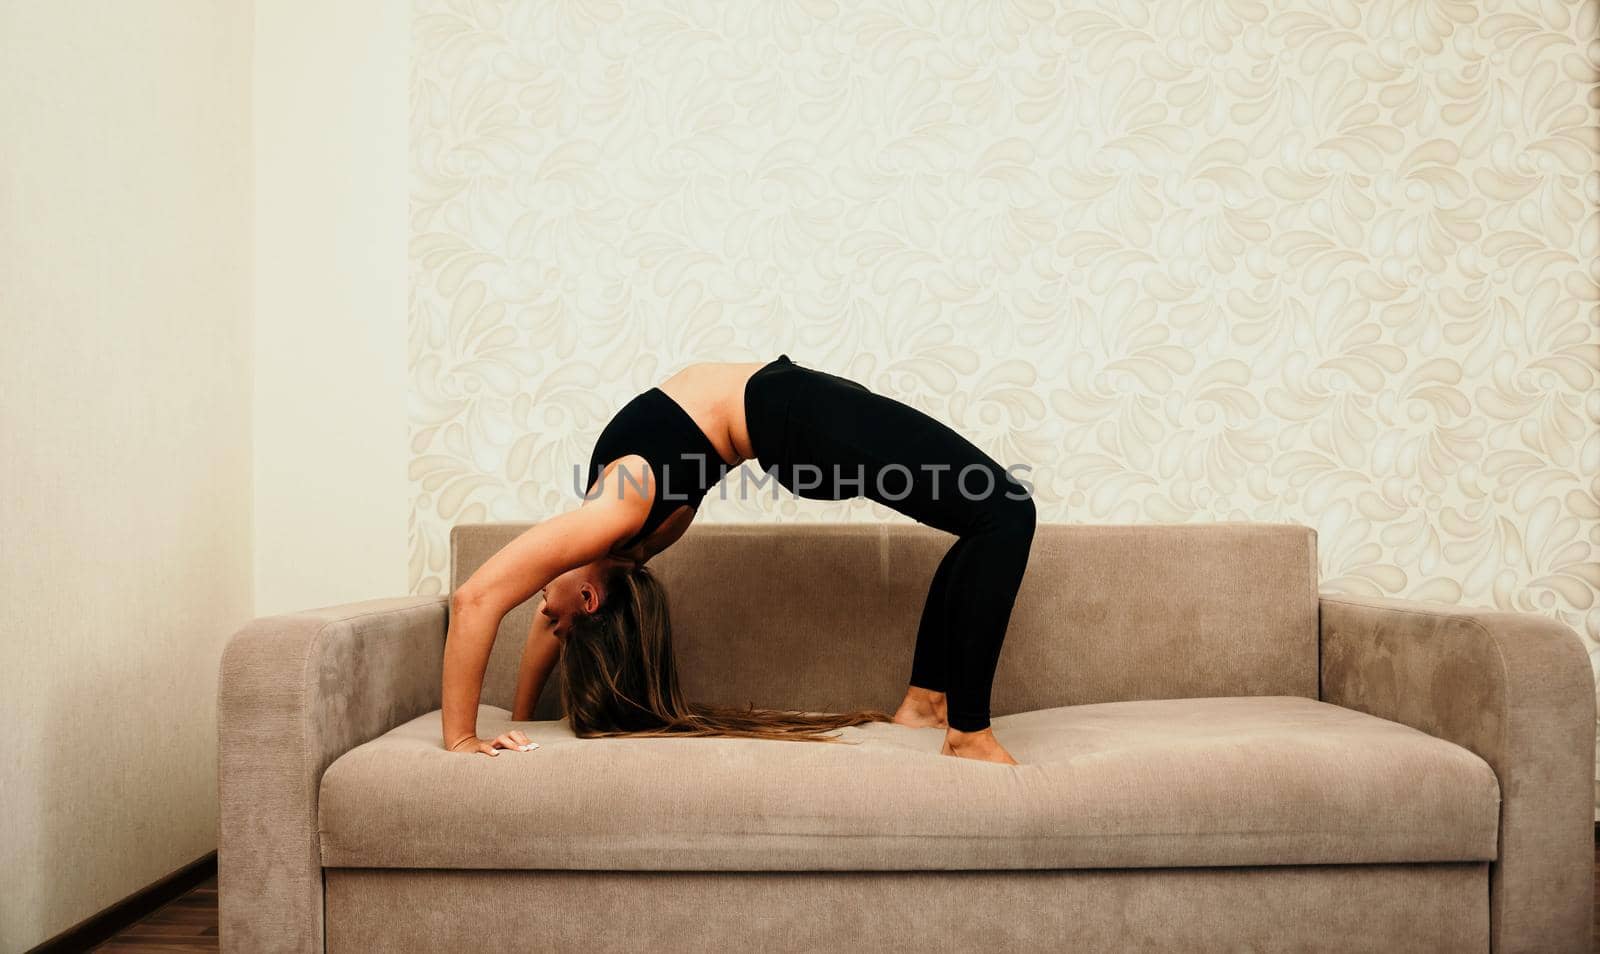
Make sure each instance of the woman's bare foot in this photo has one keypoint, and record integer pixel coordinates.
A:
(921, 708)
(981, 745)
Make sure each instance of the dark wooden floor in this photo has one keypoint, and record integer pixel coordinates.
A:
(190, 922)
(187, 923)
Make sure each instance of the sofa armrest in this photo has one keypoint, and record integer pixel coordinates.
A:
(294, 693)
(1517, 690)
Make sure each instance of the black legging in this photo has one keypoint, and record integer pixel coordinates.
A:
(825, 437)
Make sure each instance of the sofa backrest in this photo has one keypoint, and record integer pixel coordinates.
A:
(823, 616)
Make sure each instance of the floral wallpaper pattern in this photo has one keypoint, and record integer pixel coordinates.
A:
(1328, 262)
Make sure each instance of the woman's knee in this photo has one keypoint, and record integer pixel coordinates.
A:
(1023, 516)
(1012, 514)
(1020, 500)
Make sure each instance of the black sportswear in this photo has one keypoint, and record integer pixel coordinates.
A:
(684, 464)
(826, 437)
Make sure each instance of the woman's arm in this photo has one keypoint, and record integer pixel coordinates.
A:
(539, 657)
(520, 569)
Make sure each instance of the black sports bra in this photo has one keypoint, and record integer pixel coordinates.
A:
(683, 461)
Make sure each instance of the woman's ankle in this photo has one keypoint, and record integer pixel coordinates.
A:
(972, 736)
(921, 707)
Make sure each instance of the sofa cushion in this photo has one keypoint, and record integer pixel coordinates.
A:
(1248, 780)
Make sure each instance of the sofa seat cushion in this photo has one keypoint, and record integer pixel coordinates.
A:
(1254, 780)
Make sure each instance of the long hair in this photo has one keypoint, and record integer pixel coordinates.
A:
(620, 678)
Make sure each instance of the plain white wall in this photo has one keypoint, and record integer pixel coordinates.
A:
(125, 510)
(132, 212)
(331, 497)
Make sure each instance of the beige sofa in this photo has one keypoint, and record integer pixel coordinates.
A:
(1214, 758)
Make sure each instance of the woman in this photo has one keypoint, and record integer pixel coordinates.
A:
(604, 616)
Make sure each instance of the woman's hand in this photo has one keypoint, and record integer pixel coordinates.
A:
(510, 740)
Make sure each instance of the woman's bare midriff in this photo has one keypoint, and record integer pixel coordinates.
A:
(712, 393)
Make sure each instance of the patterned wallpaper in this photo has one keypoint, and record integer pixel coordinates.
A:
(1325, 262)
